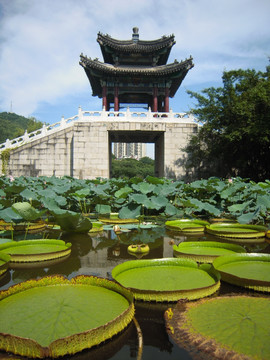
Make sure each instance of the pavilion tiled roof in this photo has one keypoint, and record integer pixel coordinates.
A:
(141, 46)
(175, 72)
(155, 52)
(160, 70)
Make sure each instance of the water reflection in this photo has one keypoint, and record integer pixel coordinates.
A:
(98, 254)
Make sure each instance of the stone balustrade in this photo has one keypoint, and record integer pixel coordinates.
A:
(92, 116)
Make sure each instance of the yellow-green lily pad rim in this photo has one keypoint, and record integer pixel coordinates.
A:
(97, 226)
(74, 343)
(255, 284)
(118, 221)
(138, 248)
(235, 230)
(4, 262)
(186, 225)
(42, 256)
(225, 327)
(202, 258)
(169, 296)
(20, 227)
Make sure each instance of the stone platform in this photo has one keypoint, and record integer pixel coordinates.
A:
(81, 146)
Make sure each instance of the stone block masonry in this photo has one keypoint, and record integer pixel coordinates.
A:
(82, 148)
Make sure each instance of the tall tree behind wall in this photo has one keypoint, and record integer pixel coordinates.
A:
(234, 139)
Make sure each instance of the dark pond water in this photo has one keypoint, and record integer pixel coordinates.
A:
(97, 255)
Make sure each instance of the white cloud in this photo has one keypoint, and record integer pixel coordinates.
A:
(41, 41)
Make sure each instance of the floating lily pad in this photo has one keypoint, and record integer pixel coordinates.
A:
(116, 220)
(54, 316)
(241, 232)
(205, 251)
(138, 249)
(4, 262)
(166, 279)
(221, 220)
(29, 227)
(247, 270)
(97, 226)
(5, 240)
(235, 327)
(186, 225)
(35, 250)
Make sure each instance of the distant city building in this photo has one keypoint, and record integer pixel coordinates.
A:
(129, 150)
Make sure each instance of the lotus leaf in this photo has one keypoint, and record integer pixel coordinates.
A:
(144, 187)
(205, 251)
(166, 279)
(103, 209)
(35, 250)
(71, 221)
(247, 270)
(27, 211)
(53, 316)
(9, 215)
(131, 211)
(237, 231)
(123, 192)
(235, 327)
(186, 225)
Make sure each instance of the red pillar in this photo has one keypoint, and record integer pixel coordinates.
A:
(155, 99)
(116, 98)
(166, 100)
(104, 97)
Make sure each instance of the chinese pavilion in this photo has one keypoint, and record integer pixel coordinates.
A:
(135, 72)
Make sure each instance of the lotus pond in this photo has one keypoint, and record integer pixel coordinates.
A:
(98, 253)
(156, 247)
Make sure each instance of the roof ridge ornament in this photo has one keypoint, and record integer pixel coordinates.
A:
(135, 35)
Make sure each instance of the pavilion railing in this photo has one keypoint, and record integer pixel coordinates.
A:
(92, 116)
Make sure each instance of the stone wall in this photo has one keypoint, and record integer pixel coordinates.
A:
(176, 138)
(83, 149)
(49, 155)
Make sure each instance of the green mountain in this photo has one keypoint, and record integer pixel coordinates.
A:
(13, 125)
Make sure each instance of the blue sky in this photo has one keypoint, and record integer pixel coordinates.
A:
(41, 42)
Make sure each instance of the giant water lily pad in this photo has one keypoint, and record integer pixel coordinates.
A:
(186, 225)
(4, 262)
(205, 251)
(54, 316)
(97, 226)
(166, 279)
(235, 327)
(116, 220)
(35, 250)
(247, 270)
(241, 232)
(31, 227)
